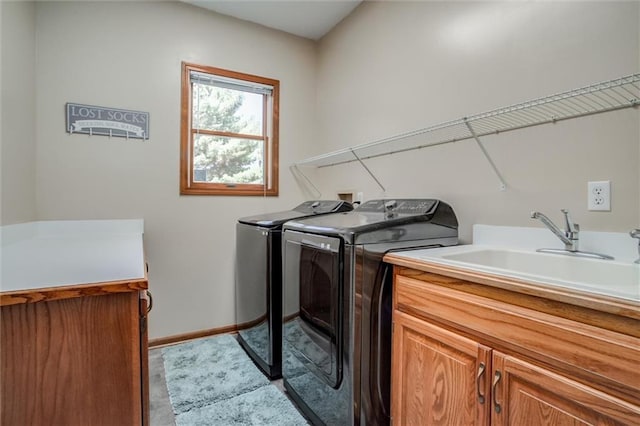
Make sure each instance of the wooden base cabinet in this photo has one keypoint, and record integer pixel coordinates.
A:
(525, 394)
(75, 361)
(466, 359)
(437, 376)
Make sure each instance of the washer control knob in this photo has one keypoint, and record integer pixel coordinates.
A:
(389, 206)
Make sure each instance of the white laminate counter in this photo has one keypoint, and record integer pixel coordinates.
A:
(62, 253)
(617, 279)
(595, 278)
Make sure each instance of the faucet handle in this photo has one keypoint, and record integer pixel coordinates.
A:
(571, 227)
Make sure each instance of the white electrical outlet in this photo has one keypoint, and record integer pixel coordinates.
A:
(599, 196)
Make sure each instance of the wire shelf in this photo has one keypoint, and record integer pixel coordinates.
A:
(597, 98)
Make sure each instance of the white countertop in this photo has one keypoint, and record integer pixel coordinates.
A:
(496, 246)
(61, 253)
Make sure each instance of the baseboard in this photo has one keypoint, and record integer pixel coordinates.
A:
(177, 338)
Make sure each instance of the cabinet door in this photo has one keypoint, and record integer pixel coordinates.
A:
(71, 362)
(438, 377)
(524, 394)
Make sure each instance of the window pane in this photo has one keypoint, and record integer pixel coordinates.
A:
(227, 110)
(227, 160)
(229, 132)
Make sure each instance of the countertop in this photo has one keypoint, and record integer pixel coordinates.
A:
(56, 256)
(618, 297)
(629, 289)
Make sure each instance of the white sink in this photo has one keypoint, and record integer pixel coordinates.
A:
(601, 276)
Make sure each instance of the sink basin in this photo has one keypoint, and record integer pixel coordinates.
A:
(602, 276)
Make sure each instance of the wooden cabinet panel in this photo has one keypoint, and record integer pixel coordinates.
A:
(435, 376)
(584, 349)
(530, 395)
(145, 307)
(541, 369)
(72, 361)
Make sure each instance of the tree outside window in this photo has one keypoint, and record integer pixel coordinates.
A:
(229, 133)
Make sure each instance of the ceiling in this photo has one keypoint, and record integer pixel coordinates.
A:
(311, 19)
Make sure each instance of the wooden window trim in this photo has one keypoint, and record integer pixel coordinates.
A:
(271, 163)
(228, 134)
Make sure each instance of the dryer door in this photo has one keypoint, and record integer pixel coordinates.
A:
(313, 306)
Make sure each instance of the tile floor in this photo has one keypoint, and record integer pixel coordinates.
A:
(160, 411)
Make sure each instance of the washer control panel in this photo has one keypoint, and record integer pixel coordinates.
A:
(399, 206)
(324, 206)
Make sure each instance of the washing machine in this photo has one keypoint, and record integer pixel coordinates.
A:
(336, 358)
(259, 280)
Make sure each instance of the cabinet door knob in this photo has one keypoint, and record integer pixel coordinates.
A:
(496, 379)
(481, 371)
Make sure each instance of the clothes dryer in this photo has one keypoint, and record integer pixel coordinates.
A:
(259, 280)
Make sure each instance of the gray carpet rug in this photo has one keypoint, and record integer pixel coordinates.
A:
(265, 406)
(213, 382)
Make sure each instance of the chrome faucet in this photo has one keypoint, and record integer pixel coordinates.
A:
(636, 234)
(569, 236)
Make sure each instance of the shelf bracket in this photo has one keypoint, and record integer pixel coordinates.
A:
(503, 186)
(298, 173)
(368, 171)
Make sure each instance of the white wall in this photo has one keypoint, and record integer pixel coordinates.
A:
(392, 67)
(127, 55)
(17, 117)
(388, 68)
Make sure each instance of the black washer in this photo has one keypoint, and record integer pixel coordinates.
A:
(337, 304)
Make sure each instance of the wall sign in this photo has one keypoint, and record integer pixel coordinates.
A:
(95, 120)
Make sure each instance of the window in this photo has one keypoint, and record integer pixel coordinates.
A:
(229, 133)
